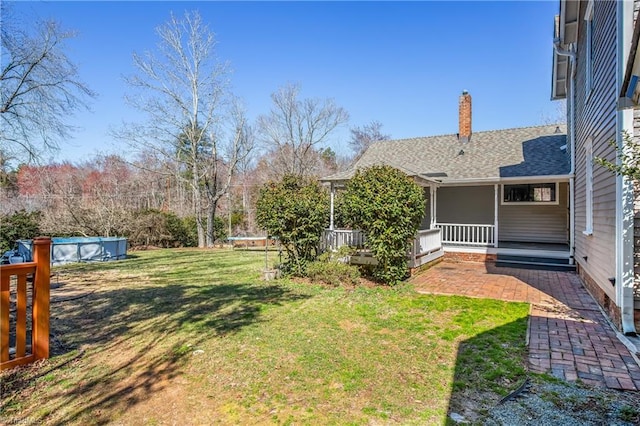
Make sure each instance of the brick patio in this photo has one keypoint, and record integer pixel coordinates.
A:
(568, 335)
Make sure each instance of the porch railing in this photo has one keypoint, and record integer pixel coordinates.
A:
(426, 247)
(467, 234)
(333, 239)
(24, 314)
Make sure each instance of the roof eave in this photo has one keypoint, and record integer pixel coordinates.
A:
(568, 24)
(334, 179)
(341, 178)
(538, 179)
(630, 90)
(515, 179)
(565, 32)
(559, 77)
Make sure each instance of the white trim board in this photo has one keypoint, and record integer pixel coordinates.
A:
(554, 254)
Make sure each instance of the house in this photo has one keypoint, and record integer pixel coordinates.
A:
(497, 195)
(595, 68)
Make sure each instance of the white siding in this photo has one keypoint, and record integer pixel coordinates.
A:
(535, 223)
(465, 204)
(596, 118)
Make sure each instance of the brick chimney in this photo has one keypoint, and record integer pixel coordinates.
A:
(464, 117)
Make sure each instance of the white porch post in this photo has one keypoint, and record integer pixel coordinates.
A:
(432, 206)
(624, 272)
(496, 197)
(624, 278)
(333, 190)
(572, 220)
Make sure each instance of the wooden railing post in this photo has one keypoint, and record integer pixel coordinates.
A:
(414, 250)
(42, 257)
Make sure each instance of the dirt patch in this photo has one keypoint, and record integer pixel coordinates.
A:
(362, 282)
(546, 401)
(144, 247)
(352, 326)
(568, 404)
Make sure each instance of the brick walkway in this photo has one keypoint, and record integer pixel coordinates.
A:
(568, 335)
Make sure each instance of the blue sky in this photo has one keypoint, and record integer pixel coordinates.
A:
(401, 63)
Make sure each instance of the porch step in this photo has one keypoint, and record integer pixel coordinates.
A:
(535, 262)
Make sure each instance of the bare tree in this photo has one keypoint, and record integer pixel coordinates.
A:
(557, 116)
(182, 89)
(295, 129)
(221, 165)
(40, 88)
(363, 137)
(247, 177)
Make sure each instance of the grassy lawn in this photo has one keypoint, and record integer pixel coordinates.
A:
(196, 337)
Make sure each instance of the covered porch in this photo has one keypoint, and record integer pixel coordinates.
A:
(505, 221)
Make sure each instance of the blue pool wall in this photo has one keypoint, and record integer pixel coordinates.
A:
(79, 249)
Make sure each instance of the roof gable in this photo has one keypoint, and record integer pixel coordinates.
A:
(521, 152)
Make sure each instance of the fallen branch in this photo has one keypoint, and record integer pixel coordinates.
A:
(516, 393)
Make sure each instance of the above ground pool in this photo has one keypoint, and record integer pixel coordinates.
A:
(80, 249)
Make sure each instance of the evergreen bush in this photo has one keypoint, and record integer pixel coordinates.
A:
(388, 206)
(295, 210)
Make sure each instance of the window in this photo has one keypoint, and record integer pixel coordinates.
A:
(530, 193)
(588, 17)
(588, 173)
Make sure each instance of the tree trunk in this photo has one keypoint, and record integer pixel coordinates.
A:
(201, 231)
(211, 216)
(197, 204)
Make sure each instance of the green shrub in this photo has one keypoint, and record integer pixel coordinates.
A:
(149, 227)
(628, 155)
(295, 210)
(219, 229)
(388, 206)
(18, 226)
(166, 229)
(189, 231)
(331, 269)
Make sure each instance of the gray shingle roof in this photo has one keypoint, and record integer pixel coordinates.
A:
(521, 152)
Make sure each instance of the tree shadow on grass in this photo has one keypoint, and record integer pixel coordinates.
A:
(126, 343)
(135, 260)
(488, 366)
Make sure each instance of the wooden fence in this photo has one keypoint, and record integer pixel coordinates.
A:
(24, 314)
